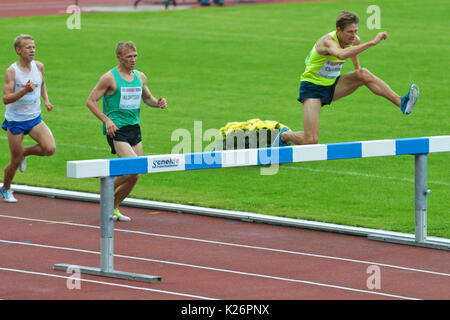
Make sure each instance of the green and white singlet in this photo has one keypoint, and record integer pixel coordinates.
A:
(123, 107)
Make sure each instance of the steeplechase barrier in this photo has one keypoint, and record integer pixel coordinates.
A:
(107, 169)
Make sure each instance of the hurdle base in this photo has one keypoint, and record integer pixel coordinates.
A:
(111, 274)
(410, 241)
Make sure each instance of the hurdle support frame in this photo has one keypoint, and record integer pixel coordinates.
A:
(107, 169)
(421, 193)
(107, 242)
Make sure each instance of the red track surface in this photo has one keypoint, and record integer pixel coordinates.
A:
(23, 8)
(203, 257)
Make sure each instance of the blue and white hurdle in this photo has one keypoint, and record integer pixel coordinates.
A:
(107, 169)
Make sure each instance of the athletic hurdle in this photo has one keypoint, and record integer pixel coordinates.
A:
(107, 169)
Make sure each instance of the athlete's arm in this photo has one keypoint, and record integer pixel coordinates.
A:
(355, 59)
(9, 96)
(147, 96)
(332, 47)
(104, 84)
(44, 94)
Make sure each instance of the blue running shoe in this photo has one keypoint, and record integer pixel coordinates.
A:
(409, 100)
(278, 142)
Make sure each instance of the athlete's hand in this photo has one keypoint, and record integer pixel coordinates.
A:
(49, 106)
(111, 128)
(162, 103)
(29, 87)
(380, 36)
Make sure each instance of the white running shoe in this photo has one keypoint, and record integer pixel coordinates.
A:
(120, 217)
(23, 165)
(409, 100)
(8, 195)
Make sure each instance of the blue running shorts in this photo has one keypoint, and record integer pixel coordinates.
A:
(19, 127)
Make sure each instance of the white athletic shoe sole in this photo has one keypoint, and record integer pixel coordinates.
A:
(23, 165)
(121, 217)
(413, 97)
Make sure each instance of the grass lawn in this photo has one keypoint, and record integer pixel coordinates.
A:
(218, 65)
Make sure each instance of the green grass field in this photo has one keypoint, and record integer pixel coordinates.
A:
(217, 65)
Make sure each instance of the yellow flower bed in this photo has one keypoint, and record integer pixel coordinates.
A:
(250, 129)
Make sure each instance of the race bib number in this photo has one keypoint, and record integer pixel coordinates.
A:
(130, 98)
(330, 70)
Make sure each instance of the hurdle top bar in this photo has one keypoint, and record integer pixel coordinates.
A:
(254, 157)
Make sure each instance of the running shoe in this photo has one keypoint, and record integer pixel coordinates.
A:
(23, 165)
(278, 142)
(120, 217)
(8, 195)
(409, 100)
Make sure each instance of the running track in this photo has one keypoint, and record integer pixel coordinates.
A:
(24, 8)
(202, 257)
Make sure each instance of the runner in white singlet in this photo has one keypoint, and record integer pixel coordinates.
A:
(24, 86)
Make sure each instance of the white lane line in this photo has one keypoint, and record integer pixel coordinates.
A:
(240, 246)
(107, 283)
(360, 174)
(222, 270)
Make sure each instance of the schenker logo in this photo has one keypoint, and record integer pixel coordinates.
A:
(165, 163)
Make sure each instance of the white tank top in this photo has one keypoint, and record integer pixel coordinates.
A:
(29, 106)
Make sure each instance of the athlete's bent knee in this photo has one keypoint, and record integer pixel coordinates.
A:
(16, 161)
(49, 151)
(365, 76)
(17, 156)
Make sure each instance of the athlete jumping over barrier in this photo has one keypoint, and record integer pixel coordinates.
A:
(321, 83)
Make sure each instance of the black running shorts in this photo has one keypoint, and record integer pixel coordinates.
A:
(130, 134)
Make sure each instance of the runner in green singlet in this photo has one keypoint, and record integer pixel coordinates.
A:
(122, 89)
(322, 83)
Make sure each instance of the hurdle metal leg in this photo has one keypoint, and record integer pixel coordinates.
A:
(420, 197)
(107, 241)
(421, 192)
(106, 224)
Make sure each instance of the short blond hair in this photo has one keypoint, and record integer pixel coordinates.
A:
(345, 18)
(125, 44)
(19, 39)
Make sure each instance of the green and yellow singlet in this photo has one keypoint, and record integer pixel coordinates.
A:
(320, 69)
